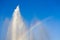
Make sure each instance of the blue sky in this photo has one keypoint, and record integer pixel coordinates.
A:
(32, 8)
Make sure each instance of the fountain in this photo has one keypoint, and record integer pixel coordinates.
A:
(17, 28)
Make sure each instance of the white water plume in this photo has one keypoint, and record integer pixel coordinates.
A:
(17, 29)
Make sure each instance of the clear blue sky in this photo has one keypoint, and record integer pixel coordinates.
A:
(31, 8)
(39, 8)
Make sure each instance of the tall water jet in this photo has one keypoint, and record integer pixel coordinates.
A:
(17, 28)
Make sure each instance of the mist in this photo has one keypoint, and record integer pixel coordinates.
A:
(16, 28)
